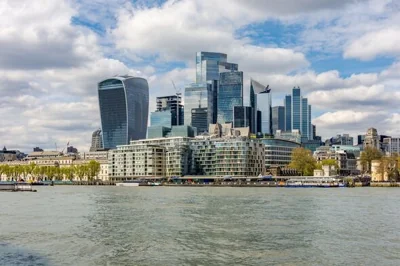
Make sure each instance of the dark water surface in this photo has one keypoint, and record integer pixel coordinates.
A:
(200, 226)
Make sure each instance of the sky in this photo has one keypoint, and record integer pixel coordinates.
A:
(344, 54)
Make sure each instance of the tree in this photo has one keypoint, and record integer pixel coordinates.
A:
(69, 172)
(389, 165)
(303, 161)
(368, 155)
(93, 169)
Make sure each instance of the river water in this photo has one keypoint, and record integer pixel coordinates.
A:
(78, 225)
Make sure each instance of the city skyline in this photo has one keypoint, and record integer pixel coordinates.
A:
(347, 66)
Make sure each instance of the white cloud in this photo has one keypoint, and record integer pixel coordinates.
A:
(176, 30)
(383, 42)
(361, 97)
(38, 34)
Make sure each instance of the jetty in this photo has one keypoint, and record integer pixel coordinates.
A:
(16, 187)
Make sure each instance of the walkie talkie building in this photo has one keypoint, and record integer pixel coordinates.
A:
(124, 107)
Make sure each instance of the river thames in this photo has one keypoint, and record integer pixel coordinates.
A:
(78, 225)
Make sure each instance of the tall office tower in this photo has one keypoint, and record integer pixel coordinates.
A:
(198, 103)
(97, 142)
(243, 116)
(372, 138)
(169, 111)
(298, 114)
(314, 130)
(288, 112)
(260, 100)
(230, 94)
(124, 107)
(208, 67)
(278, 118)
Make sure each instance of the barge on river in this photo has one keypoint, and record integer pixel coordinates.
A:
(16, 187)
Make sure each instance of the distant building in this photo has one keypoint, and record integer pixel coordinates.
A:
(293, 135)
(97, 141)
(175, 131)
(392, 146)
(230, 94)
(243, 116)
(345, 157)
(278, 118)
(169, 111)
(260, 100)
(37, 149)
(278, 152)
(298, 113)
(372, 138)
(360, 139)
(344, 139)
(199, 106)
(163, 157)
(72, 149)
(124, 105)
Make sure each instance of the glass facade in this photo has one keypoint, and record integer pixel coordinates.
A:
(207, 66)
(161, 118)
(278, 118)
(305, 130)
(278, 152)
(242, 116)
(264, 100)
(296, 109)
(172, 103)
(298, 114)
(288, 112)
(200, 119)
(198, 96)
(124, 104)
(230, 94)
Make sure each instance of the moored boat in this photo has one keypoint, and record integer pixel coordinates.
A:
(325, 182)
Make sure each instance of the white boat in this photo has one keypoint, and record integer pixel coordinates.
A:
(325, 182)
(127, 184)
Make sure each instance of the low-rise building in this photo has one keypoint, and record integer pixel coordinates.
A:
(278, 152)
(392, 146)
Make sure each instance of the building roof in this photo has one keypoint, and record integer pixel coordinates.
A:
(44, 153)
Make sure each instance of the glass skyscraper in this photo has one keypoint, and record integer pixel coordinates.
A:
(208, 67)
(278, 118)
(261, 94)
(298, 114)
(288, 112)
(198, 97)
(173, 104)
(124, 105)
(243, 116)
(230, 94)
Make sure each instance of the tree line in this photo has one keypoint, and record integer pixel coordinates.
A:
(305, 163)
(41, 173)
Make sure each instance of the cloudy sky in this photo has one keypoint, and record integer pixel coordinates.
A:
(344, 54)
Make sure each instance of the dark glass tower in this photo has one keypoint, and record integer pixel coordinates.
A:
(242, 116)
(124, 105)
(230, 94)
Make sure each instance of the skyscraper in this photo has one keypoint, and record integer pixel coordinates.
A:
(243, 116)
(97, 141)
(230, 94)
(278, 118)
(124, 107)
(209, 65)
(298, 114)
(288, 112)
(169, 111)
(199, 96)
(260, 100)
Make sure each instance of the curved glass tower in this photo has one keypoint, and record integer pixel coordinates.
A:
(124, 107)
